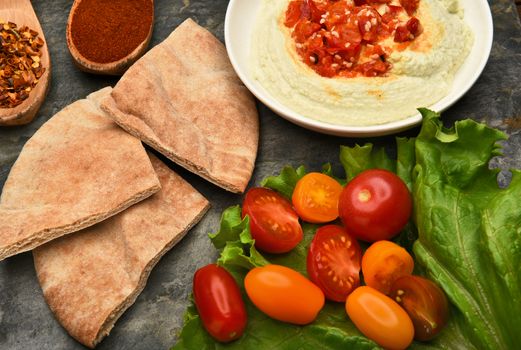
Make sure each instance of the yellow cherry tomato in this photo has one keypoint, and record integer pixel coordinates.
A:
(383, 263)
(315, 198)
(380, 318)
(284, 294)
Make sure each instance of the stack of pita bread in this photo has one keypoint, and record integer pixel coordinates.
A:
(97, 210)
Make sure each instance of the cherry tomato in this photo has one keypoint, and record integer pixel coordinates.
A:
(383, 263)
(273, 222)
(425, 303)
(315, 198)
(219, 303)
(284, 294)
(333, 262)
(375, 205)
(379, 318)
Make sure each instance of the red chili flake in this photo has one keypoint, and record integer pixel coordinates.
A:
(20, 63)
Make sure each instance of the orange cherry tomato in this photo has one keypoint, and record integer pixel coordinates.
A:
(315, 198)
(380, 318)
(383, 263)
(284, 294)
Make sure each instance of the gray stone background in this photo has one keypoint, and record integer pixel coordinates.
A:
(156, 317)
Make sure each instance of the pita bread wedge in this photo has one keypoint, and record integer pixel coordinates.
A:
(184, 99)
(91, 277)
(78, 169)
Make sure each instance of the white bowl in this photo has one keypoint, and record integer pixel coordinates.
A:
(241, 16)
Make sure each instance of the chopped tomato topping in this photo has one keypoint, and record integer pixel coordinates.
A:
(293, 13)
(409, 31)
(414, 26)
(369, 21)
(411, 6)
(391, 13)
(342, 38)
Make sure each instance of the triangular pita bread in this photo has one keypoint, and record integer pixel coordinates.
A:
(91, 277)
(184, 99)
(78, 169)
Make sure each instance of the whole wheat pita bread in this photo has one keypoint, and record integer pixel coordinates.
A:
(91, 277)
(78, 169)
(184, 99)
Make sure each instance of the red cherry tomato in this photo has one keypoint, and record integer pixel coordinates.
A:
(273, 222)
(333, 262)
(425, 303)
(375, 205)
(219, 303)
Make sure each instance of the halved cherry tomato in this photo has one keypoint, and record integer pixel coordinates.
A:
(383, 263)
(219, 303)
(273, 222)
(284, 294)
(333, 262)
(379, 318)
(315, 198)
(375, 205)
(425, 303)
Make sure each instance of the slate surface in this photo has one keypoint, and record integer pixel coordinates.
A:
(156, 317)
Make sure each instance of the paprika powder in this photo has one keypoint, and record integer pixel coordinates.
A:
(105, 31)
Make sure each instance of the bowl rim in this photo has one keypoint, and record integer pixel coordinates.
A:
(356, 131)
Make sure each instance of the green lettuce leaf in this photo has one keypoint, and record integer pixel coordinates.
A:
(235, 243)
(286, 181)
(360, 158)
(469, 229)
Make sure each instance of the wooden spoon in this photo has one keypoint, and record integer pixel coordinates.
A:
(22, 13)
(111, 68)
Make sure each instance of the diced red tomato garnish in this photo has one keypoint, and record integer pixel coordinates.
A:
(411, 6)
(368, 22)
(414, 26)
(409, 31)
(373, 68)
(305, 29)
(402, 34)
(339, 38)
(392, 13)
